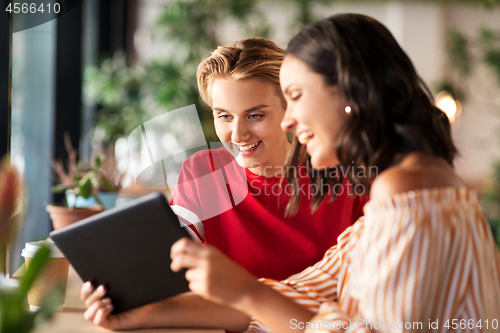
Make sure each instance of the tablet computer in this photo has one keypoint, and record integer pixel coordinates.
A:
(127, 249)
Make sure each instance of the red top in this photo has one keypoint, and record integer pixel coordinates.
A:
(242, 214)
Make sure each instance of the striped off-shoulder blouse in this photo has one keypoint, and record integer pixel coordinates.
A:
(420, 261)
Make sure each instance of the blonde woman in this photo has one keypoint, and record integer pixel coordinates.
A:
(240, 201)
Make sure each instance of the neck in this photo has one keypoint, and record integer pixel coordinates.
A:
(421, 159)
(268, 171)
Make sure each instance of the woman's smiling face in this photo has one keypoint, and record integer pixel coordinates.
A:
(315, 111)
(248, 113)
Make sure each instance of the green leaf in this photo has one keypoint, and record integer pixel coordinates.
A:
(49, 304)
(95, 181)
(36, 265)
(96, 198)
(14, 316)
(85, 187)
(105, 183)
(486, 35)
(61, 188)
(492, 60)
(458, 50)
(98, 162)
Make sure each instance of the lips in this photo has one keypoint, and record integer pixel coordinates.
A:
(248, 147)
(305, 136)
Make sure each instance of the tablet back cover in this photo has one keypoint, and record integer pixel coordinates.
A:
(127, 249)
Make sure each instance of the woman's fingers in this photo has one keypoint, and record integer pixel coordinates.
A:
(98, 308)
(86, 290)
(91, 311)
(101, 316)
(95, 296)
(183, 260)
(185, 245)
(195, 274)
(210, 273)
(187, 254)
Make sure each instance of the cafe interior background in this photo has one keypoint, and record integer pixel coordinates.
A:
(105, 67)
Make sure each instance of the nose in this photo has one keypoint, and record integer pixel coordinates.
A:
(240, 131)
(288, 123)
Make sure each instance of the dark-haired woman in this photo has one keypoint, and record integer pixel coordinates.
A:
(423, 258)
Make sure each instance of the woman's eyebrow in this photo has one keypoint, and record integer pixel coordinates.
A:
(260, 106)
(287, 89)
(253, 108)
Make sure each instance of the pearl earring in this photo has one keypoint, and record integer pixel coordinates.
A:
(347, 109)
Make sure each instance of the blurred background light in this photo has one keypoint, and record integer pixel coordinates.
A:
(451, 107)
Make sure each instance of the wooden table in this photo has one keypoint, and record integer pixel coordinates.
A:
(70, 319)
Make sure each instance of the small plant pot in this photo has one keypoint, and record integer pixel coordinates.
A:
(108, 199)
(63, 216)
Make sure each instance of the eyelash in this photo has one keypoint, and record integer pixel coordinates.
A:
(295, 97)
(223, 117)
(258, 117)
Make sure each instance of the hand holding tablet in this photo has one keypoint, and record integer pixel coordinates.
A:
(127, 249)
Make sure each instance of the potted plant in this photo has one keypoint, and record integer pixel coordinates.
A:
(105, 177)
(81, 180)
(14, 313)
(104, 180)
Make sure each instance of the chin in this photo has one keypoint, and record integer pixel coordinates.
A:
(247, 163)
(320, 161)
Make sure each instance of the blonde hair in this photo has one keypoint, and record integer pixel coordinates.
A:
(248, 58)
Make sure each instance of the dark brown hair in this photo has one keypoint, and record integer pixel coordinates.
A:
(325, 180)
(392, 109)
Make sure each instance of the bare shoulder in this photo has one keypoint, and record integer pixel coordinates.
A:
(413, 175)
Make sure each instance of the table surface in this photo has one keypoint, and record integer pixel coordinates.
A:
(70, 319)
